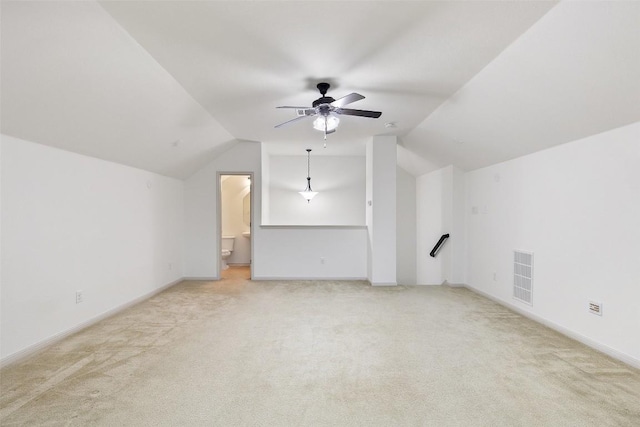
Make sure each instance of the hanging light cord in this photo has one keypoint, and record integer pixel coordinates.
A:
(309, 169)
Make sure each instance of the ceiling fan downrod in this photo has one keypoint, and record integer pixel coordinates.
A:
(323, 88)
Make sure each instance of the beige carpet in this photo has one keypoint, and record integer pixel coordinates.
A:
(241, 353)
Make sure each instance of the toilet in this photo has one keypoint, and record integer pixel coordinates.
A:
(227, 248)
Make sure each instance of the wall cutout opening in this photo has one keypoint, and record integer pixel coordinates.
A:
(339, 180)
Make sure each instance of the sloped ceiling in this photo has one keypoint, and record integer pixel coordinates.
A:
(72, 78)
(573, 74)
(166, 85)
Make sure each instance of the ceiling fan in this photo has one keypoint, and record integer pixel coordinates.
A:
(327, 110)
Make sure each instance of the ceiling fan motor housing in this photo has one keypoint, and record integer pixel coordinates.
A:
(323, 100)
(323, 88)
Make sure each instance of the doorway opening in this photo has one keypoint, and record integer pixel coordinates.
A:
(235, 215)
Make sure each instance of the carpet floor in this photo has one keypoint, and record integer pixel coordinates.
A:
(245, 353)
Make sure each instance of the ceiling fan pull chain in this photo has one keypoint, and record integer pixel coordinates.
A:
(325, 132)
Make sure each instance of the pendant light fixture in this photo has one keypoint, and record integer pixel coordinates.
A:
(308, 193)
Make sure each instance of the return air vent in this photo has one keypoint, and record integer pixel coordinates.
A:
(523, 276)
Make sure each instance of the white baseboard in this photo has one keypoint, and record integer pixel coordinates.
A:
(616, 354)
(30, 350)
(323, 279)
(383, 284)
(201, 278)
(454, 285)
(34, 348)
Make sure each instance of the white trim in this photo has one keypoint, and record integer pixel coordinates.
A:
(616, 354)
(200, 278)
(383, 284)
(41, 345)
(317, 227)
(288, 279)
(454, 285)
(30, 350)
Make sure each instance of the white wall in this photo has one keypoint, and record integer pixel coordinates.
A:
(440, 210)
(577, 207)
(339, 180)
(381, 210)
(309, 252)
(453, 222)
(202, 243)
(72, 222)
(234, 190)
(405, 227)
(266, 180)
(278, 252)
(1, 245)
(430, 226)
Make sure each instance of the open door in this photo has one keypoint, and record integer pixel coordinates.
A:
(235, 213)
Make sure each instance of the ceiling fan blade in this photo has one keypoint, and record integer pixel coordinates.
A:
(352, 97)
(302, 111)
(360, 113)
(290, 121)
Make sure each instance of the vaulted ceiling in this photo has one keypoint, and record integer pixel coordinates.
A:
(167, 85)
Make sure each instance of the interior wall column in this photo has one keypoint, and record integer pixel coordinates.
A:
(381, 210)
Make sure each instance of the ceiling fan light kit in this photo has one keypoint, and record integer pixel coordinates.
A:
(327, 109)
(326, 123)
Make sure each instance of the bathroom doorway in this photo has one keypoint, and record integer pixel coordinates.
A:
(235, 215)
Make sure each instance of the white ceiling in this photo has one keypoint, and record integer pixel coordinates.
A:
(166, 85)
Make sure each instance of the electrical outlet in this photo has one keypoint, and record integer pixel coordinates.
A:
(79, 297)
(495, 276)
(170, 266)
(321, 260)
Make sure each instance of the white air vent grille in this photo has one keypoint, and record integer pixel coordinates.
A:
(523, 276)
